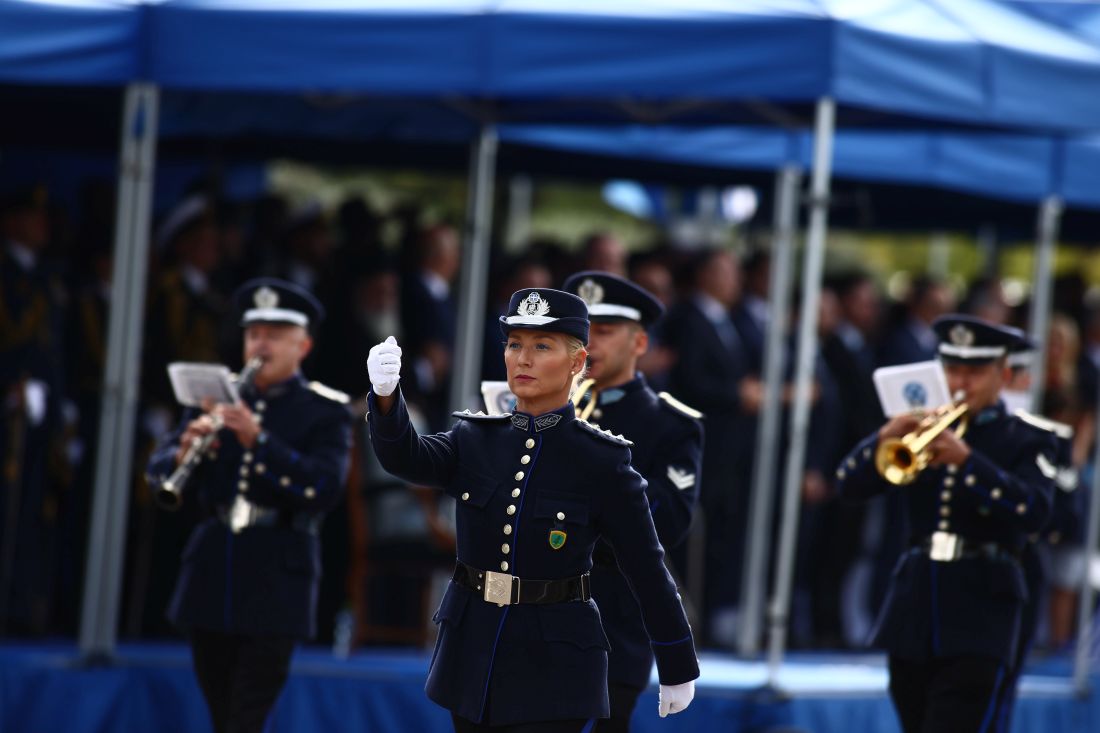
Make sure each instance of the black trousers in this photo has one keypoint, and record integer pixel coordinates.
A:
(240, 676)
(623, 699)
(952, 695)
(551, 726)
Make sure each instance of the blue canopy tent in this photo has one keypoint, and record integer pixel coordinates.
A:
(698, 61)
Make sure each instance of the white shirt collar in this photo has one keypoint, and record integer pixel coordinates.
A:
(195, 279)
(436, 285)
(712, 309)
(22, 254)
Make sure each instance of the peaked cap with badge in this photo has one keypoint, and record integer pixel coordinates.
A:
(973, 340)
(543, 309)
(271, 300)
(613, 298)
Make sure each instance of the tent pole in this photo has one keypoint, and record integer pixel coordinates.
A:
(813, 267)
(475, 271)
(1087, 595)
(107, 535)
(1050, 214)
(753, 578)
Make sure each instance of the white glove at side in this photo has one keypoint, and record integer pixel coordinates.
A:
(674, 698)
(384, 366)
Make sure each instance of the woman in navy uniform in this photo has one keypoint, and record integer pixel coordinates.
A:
(952, 615)
(667, 452)
(248, 582)
(521, 646)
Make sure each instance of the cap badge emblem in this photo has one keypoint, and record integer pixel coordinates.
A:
(557, 539)
(265, 297)
(960, 335)
(590, 291)
(534, 305)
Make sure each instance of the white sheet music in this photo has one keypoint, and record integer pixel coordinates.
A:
(194, 382)
(498, 398)
(918, 386)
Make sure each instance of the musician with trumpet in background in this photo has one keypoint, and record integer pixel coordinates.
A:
(249, 574)
(977, 481)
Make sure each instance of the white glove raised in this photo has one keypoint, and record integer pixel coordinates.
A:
(384, 366)
(674, 698)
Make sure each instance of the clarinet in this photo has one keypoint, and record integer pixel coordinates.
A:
(169, 495)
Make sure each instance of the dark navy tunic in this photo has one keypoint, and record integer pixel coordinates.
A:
(668, 453)
(517, 478)
(971, 606)
(263, 580)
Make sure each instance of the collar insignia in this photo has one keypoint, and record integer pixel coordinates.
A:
(265, 298)
(534, 305)
(590, 291)
(546, 421)
(521, 422)
(960, 335)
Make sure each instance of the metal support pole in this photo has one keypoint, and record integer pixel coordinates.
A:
(754, 577)
(107, 535)
(1087, 596)
(518, 229)
(1050, 215)
(475, 271)
(813, 267)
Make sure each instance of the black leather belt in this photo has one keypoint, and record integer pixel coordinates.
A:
(950, 547)
(247, 514)
(504, 589)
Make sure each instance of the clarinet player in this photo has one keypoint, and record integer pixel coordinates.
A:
(247, 587)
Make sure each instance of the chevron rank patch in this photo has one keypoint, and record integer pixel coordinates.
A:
(1047, 468)
(680, 479)
(557, 539)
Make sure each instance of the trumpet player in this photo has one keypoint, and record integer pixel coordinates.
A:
(951, 618)
(249, 574)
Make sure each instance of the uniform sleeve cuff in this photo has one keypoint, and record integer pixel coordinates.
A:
(391, 426)
(676, 661)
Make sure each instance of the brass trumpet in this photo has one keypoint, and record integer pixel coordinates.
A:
(900, 460)
(581, 388)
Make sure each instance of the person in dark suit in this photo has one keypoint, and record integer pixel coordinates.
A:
(713, 369)
(249, 574)
(429, 315)
(911, 338)
(951, 619)
(667, 452)
(31, 392)
(521, 647)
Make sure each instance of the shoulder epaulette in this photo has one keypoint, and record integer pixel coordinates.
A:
(1051, 426)
(479, 415)
(605, 434)
(329, 393)
(679, 406)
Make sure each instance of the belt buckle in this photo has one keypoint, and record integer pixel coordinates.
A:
(945, 547)
(498, 588)
(240, 514)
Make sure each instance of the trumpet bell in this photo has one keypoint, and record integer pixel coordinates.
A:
(896, 462)
(900, 460)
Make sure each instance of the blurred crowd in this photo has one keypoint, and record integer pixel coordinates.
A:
(397, 273)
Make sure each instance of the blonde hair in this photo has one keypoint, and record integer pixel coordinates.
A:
(574, 346)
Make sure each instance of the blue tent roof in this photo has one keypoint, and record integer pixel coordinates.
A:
(975, 61)
(1012, 167)
(69, 41)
